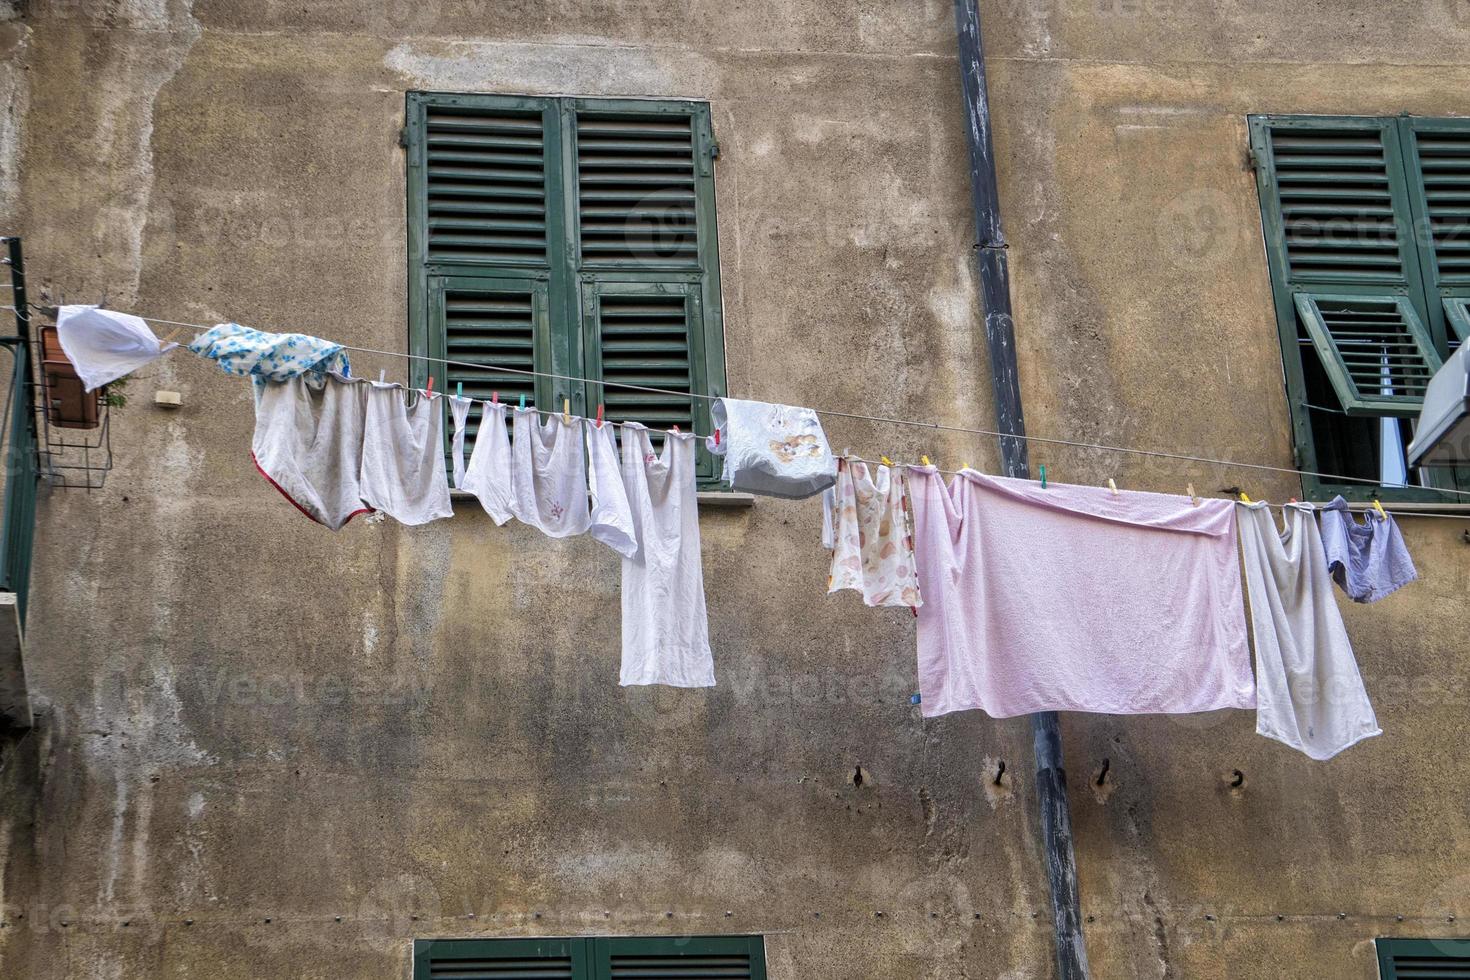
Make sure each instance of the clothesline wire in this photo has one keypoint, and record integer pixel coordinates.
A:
(939, 426)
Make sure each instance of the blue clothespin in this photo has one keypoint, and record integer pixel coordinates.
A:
(1043, 476)
(523, 403)
(459, 389)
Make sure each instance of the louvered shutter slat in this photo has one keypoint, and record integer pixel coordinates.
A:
(501, 959)
(485, 173)
(636, 190)
(497, 323)
(683, 958)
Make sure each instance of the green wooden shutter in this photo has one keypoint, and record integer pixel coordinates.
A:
(501, 959)
(1422, 959)
(491, 321)
(1335, 204)
(645, 334)
(1457, 314)
(1377, 352)
(1437, 156)
(682, 958)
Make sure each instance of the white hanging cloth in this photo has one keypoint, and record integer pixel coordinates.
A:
(403, 455)
(1309, 693)
(488, 474)
(665, 626)
(104, 345)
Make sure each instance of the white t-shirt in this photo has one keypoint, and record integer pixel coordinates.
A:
(1309, 693)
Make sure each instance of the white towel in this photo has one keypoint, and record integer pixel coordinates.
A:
(402, 470)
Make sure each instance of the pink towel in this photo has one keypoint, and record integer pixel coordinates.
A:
(1076, 599)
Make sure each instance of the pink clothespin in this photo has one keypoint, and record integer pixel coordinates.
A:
(430, 389)
(717, 437)
(495, 398)
(599, 416)
(673, 428)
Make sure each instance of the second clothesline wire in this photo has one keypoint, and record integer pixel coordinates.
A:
(940, 426)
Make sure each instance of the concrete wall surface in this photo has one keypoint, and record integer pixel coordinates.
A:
(248, 727)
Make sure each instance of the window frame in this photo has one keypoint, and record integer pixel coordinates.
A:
(1419, 285)
(565, 275)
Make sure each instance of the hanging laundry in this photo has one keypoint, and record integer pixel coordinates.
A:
(308, 444)
(459, 413)
(612, 517)
(665, 626)
(774, 450)
(1367, 561)
(1075, 599)
(403, 455)
(1311, 694)
(488, 475)
(548, 474)
(866, 520)
(269, 356)
(103, 345)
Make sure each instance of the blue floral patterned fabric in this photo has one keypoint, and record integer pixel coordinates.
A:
(269, 356)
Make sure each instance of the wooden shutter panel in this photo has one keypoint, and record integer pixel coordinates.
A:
(501, 322)
(637, 188)
(1423, 959)
(501, 959)
(1377, 352)
(681, 958)
(486, 175)
(647, 334)
(1457, 314)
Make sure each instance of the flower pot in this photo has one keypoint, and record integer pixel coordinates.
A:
(68, 404)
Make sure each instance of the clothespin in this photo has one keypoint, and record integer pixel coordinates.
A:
(1243, 498)
(382, 377)
(1043, 476)
(459, 389)
(430, 389)
(1193, 497)
(673, 428)
(566, 411)
(495, 398)
(599, 423)
(717, 440)
(1378, 506)
(523, 403)
(886, 460)
(1112, 486)
(924, 461)
(964, 466)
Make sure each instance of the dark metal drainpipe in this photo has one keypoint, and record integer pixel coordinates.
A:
(1000, 337)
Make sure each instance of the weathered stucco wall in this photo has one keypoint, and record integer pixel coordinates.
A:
(249, 727)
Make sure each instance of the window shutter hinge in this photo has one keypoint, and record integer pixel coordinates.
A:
(714, 149)
(1252, 162)
(403, 137)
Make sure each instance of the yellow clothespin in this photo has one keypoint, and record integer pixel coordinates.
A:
(1243, 498)
(1193, 497)
(964, 466)
(1112, 486)
(566, 411)
(1378, 506)
(924, 460)
(886, 460)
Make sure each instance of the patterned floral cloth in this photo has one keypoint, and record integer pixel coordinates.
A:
(868, 531)
(270, 356)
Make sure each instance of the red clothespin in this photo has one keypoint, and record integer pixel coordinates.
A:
(430, 389)
(599, 416)
(717, 437)
(673, 428)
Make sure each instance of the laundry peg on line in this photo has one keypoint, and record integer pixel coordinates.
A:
(1378, 506)
(382, 377)
(599, 417)
(495, 398)
(1244, 498)
(924, 461)
(566, 411)
(523, 403)
(1113, 487)
(964, 466)
(886, 460)
(430, 389)
(459, 389)
(1042, 468)
(1193, 497)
